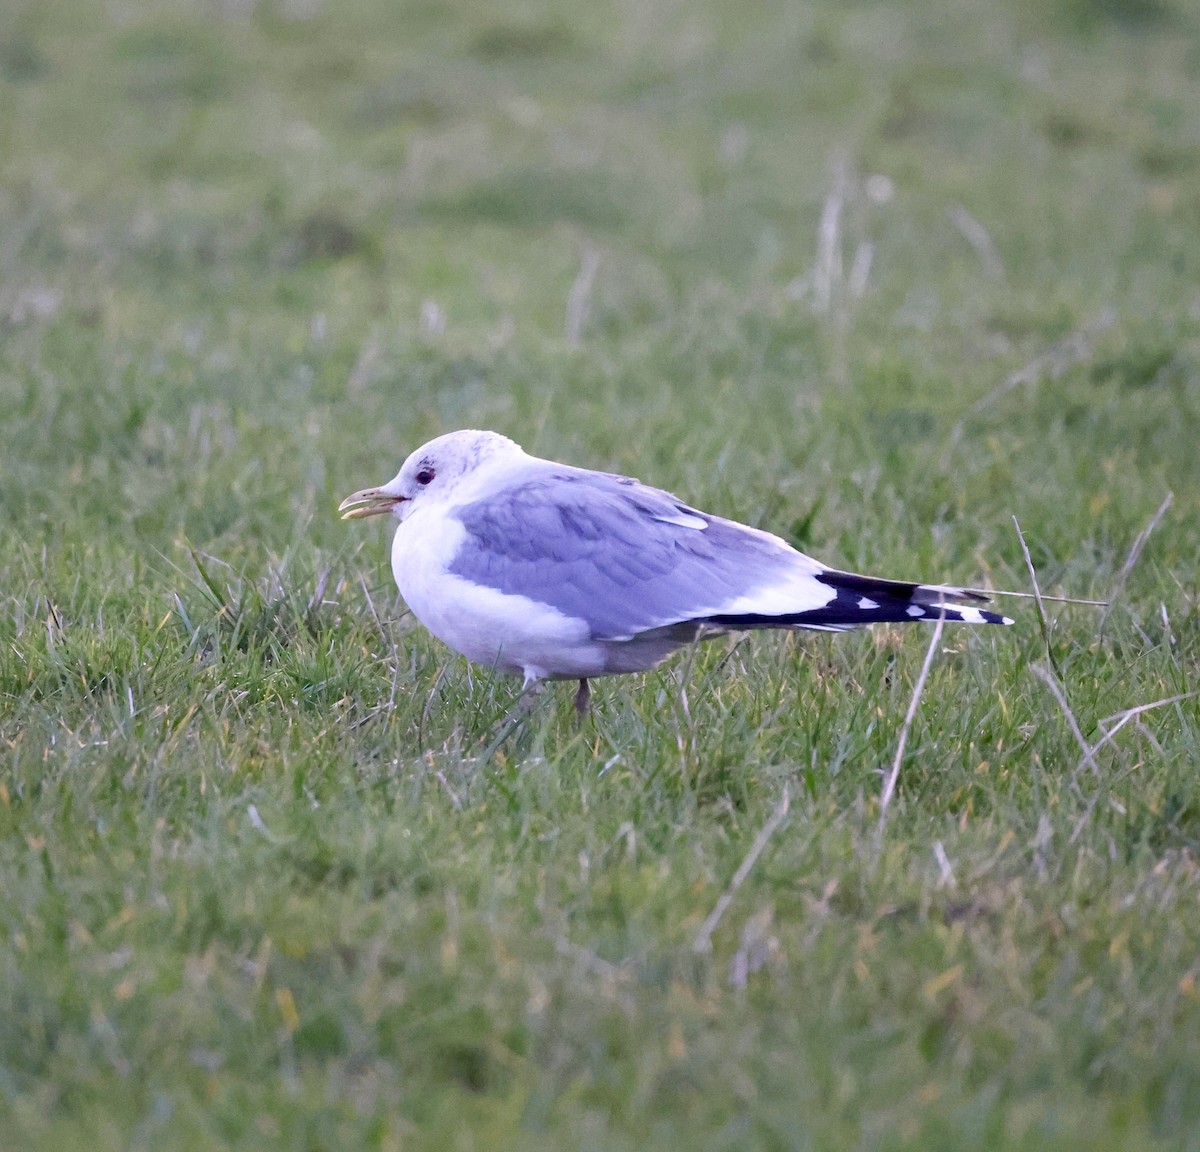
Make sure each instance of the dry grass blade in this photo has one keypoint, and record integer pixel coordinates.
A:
(1124, 717)
(893, 776)
(1071, 350)
(1043, 620)
(1044, 597)
(1135, 553)
(977, 236)
(1051, 681)
(827, 269)
(703, 941)
(860, 269)
(580, 295)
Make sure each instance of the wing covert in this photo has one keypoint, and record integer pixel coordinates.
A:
(617, 554)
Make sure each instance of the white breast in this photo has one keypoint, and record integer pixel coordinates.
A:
(512, 634)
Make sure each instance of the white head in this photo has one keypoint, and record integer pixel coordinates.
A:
(432, 472)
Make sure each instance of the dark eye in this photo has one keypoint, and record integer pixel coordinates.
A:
(425, 476)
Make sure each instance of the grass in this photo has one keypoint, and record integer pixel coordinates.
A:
(879, 277)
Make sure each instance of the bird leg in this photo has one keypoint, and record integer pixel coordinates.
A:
(516, 718)
(583, 698)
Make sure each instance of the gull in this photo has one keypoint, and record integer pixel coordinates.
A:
(551, 572)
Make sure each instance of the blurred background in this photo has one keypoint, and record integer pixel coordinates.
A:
(878, 276)
(252, 252)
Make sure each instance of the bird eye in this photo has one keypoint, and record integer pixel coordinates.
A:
(425, 476)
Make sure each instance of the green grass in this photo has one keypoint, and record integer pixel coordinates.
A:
(259, 887)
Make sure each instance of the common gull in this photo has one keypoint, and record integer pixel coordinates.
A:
(550, 572)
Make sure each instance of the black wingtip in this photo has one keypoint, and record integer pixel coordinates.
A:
(863, 601)
(874, 587)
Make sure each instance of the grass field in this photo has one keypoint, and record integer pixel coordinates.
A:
(879, 277)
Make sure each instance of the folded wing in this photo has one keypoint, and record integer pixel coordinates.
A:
(627, 559)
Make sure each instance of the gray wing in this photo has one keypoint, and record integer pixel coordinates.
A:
(608, 550)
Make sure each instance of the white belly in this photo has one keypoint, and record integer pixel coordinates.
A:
(512, 634)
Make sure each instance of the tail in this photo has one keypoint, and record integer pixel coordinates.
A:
(857, 600)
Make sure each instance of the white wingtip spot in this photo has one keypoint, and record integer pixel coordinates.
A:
(916, 610)
(866, 603)
(683, 520)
